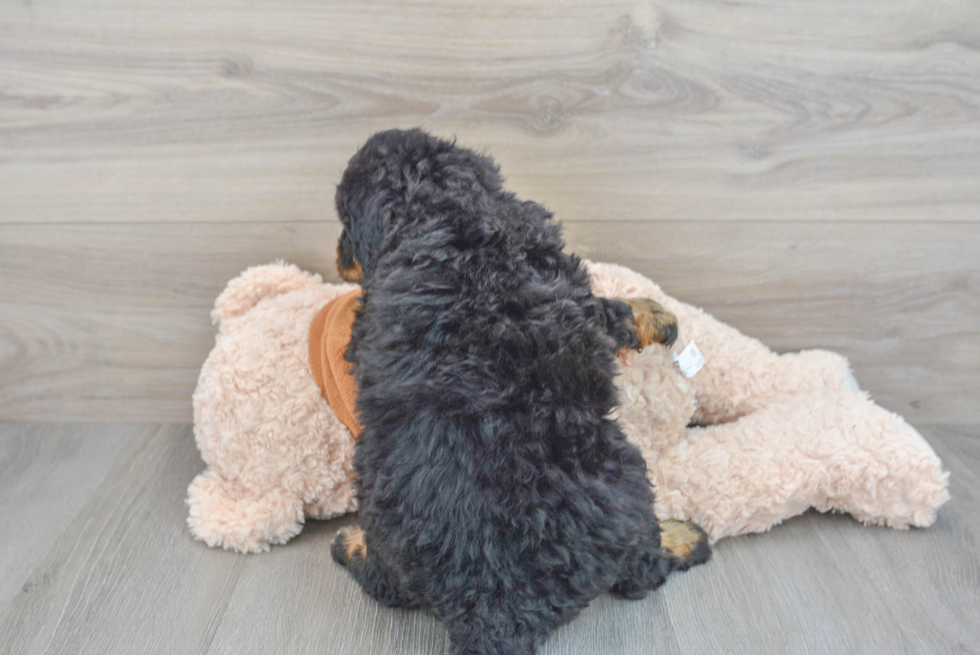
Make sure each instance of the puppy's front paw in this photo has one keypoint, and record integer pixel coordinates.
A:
(347, 544)
(652, 323)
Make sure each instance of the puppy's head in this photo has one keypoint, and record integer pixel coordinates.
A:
(396, 182)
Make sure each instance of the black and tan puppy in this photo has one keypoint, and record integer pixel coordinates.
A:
(494, 488)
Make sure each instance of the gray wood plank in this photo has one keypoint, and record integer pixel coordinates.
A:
(110, 322)
(47, 474)
(310, 605)
(124, 576)
(826, 584)
(772, 110)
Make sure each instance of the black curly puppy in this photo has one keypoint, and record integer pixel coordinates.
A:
(494, 488)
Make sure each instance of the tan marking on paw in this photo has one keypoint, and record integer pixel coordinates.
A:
(652, 323)
(679, 539)
(354, 542)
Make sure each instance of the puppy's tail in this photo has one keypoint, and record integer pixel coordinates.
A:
(684, 544)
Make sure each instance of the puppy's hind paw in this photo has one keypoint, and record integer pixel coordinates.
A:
(347, 544)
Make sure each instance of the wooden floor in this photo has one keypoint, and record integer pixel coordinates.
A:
(97, 559)
(808, 171)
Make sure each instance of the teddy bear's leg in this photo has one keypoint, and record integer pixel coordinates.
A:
(228, 514)
(349, 549)
(741, 375)
(256, 283)
(828, 450)
(897, 480)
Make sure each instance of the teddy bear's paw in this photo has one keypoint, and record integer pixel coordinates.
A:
(651, 322)
(684, 544)
(349, 543)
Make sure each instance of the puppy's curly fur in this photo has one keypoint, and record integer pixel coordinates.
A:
(494, 488)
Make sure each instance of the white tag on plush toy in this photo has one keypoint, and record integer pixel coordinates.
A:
(690, 360)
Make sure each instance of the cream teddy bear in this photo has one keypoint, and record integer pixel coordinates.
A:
(749, 439)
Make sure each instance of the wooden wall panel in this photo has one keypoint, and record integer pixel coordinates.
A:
(622, 110)
(111, 322)
(806, 171)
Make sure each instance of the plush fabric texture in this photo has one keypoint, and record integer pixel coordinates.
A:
(783, 432)
(276, 452)
(329, 334)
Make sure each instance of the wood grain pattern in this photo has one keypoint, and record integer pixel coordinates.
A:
(47, 474)
(806, 171)
(150, 150)
(111, 322)
(620, 110)
(124, 576)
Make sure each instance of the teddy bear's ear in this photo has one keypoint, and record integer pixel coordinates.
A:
(256, 283)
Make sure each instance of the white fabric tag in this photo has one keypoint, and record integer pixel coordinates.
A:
(690, 360)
